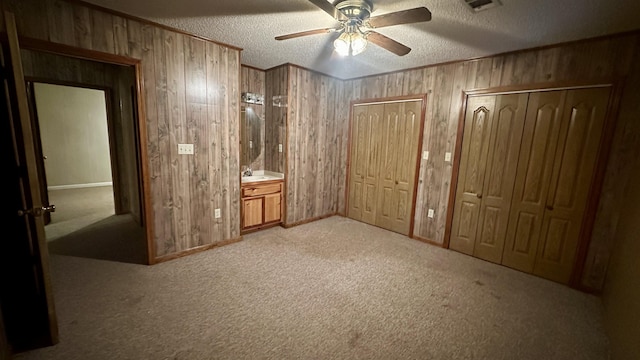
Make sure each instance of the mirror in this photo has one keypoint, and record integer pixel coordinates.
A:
(252, 128)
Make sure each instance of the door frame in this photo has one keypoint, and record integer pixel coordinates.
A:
(31, 81)
(595, 189)
(138, 108)
(423, 111)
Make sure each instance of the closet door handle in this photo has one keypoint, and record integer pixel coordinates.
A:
(479, 196)
(549, 207)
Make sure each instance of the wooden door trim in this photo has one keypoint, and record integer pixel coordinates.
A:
(455, 171)
(423, 112)
(140, 112)
(595, 190)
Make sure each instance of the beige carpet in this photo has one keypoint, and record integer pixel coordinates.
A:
(78, 208)
(332, 289)
(84, 225)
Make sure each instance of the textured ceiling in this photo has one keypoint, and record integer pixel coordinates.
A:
(454, 33)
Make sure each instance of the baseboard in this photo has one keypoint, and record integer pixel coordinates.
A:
(194, 250)
(425, 240)
(286, 226)
(79, 186)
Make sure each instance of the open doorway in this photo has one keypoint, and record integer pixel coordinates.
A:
(84, 116)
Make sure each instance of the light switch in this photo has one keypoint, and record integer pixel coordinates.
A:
(430, 213)
(185, 148)
(250, 144)
(447, 156)
(279, 147)
(217, 213)
(425, 155)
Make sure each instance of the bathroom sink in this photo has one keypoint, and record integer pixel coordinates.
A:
(261, 175)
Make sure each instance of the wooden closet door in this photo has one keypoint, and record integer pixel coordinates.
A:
(399, 135)
(473, 159)
(573, 170)
(500, 173)
(363, 177)
(535, 165)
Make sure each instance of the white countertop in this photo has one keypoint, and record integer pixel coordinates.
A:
(262, 175)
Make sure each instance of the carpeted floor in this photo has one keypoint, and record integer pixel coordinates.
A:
(78, 208)
(84, 225)
(331, 289)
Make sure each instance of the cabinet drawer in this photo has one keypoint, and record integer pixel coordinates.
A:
(261, 189)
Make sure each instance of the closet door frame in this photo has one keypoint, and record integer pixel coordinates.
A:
(423, 110)
(616, 86)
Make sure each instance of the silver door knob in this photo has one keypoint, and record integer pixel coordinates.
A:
(37, 211)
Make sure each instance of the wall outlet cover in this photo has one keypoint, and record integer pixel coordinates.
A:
(217, 213)
(430, 213)
(184, 149)
(447, 156)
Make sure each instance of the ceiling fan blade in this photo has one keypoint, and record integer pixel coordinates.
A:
(387, 43)
(305, 33)
(329, 9)
(400, 17)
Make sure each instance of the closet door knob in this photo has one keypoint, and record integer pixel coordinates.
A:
(479, 196)
(549, 207)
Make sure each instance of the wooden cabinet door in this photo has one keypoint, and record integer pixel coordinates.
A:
(573, 168)
(252, 211)
(272, 207)
(473, 159)
(363, 177)
(535, 165)
(499, 177)
(399, 136)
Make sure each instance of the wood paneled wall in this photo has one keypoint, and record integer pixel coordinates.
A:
(592, 61)
(120, 80)
(277, 82)
(191, 94)
(253, 81)
(315, 136)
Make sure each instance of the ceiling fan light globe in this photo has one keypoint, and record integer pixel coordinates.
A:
(358, 44)
(342, 44)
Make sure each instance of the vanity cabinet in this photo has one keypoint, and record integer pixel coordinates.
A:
(261, 204)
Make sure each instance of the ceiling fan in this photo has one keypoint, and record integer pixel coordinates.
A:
(357, 27)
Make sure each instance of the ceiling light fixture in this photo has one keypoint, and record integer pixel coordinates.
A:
(352, 41)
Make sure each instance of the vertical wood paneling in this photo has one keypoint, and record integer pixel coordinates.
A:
(197, 134)
(276, 82)
(102, 32)
(313, 147)
(60, 21)
(190, 90)
(232, 80)
(216, 150)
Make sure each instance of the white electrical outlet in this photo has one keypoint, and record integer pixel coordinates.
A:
(279, 147)
(430, 213)
(447, 156)
(250, 144)
(425, 155)
(217, 213)
(185, 148)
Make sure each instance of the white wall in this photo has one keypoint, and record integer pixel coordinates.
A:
(74, 134)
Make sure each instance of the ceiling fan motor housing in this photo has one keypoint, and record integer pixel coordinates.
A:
(355, 9)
